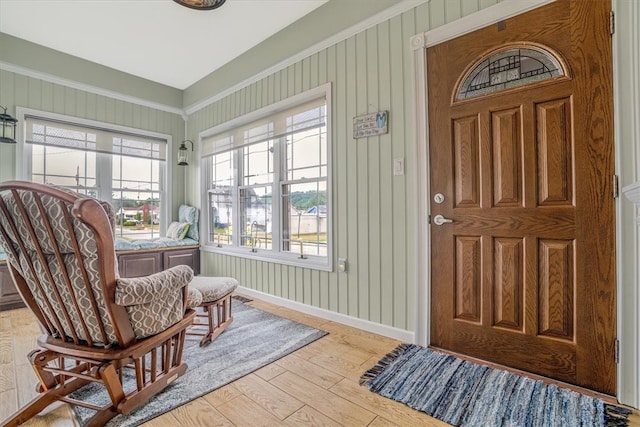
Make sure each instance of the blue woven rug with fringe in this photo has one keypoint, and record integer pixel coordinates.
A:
(464, 393)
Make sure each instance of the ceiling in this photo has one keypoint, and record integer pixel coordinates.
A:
(158, 40)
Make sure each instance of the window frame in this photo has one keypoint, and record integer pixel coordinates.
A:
(276, 253)
(23, 154)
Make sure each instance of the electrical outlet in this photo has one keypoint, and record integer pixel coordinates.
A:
(342, 265)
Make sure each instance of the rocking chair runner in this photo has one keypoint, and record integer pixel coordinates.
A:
(98, 327)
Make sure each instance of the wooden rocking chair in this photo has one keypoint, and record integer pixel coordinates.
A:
(97, 327)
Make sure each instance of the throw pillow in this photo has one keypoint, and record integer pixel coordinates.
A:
(177, 230)
(191, 215)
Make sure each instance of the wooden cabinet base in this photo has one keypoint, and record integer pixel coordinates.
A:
(146, 262)
(9, 296)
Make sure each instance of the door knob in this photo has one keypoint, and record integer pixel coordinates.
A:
(439, 220)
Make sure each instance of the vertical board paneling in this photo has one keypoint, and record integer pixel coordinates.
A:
(352, 180)
(399, 133)
(35, 93)
(453, 10)
(468, 7)
(409, 28)
(7, 151)
(374, 210)
(387, 289)
(373, 179)
(362, 181)
(436, 13)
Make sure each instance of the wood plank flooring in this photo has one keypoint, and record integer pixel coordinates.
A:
(314, 386)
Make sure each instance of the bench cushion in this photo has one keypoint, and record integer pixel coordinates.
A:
(160, 242)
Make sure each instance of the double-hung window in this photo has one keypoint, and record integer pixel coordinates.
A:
(267, 183)
(126, 167)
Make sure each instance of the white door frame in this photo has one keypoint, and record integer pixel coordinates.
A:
(627, 99)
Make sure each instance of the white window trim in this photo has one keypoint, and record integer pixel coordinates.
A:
(310, 261)
(23, 164)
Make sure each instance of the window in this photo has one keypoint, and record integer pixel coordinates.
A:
(125, 167)
(266, 183)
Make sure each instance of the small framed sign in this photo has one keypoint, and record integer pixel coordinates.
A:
(370, 124)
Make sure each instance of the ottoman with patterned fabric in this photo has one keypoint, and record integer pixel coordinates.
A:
(215, 294)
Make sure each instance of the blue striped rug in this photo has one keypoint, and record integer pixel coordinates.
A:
(464, 393)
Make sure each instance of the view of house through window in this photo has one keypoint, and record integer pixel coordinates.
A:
(267, 185)
(127, 170)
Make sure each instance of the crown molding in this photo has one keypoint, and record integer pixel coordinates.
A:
(372, 21)
(89, 88)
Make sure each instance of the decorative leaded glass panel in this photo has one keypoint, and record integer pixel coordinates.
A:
(508, 68)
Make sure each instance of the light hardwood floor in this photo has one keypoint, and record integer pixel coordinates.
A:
(314, 386)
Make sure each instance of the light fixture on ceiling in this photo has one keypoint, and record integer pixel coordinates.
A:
(201, 4)
(183, 153)
(8, 127)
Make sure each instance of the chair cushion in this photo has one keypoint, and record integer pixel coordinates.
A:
(191, 215)
(194, 297)
(213, 288)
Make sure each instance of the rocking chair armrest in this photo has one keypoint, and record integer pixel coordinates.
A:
(142, 290)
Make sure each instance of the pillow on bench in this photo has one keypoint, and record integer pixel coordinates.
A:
(190, 215)
(177, 230)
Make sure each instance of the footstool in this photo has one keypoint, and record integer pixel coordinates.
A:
(216, 304)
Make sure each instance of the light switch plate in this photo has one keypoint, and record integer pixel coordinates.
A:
(398, 166)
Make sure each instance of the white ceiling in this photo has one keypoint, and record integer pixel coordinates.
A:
(158, 40)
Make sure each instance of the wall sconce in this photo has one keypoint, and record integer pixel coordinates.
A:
(183, 153)
(8, 127)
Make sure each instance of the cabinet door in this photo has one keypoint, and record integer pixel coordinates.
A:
(9, 296)
(139, 264)
(190, 257)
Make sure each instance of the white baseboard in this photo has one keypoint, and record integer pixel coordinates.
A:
(365, 325)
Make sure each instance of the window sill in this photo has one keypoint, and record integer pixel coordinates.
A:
(313, 262)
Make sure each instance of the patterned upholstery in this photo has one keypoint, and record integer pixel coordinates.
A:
(194, 298)
(56, 278)
(213, 288)
(154, 302)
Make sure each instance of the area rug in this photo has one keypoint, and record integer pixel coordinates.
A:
(464, 393)
(254, 339)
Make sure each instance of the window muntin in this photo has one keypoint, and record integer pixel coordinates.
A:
(281, 170)
(305, 218)
(220, 199)
(508, 68)
(256, 211)
(126, 170)
(257, 164)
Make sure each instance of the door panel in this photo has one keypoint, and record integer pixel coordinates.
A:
(506, 126)
(524, 276)
(555, 152)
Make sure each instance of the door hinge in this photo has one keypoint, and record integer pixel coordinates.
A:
(617, 351)
(616, 186)
(612, 23)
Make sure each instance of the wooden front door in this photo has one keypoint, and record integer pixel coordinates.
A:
(521, 162)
